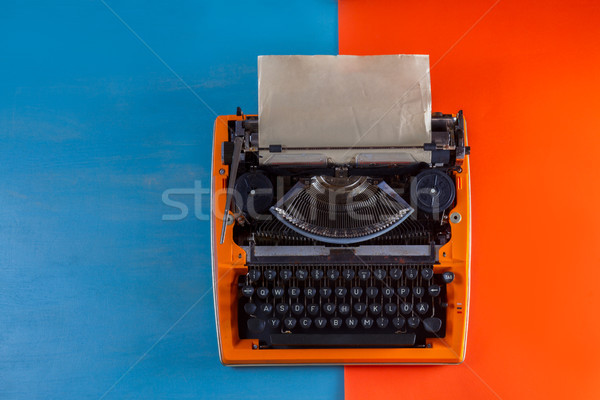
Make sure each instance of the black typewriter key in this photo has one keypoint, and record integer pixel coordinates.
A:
(432, 324)
(256, 325)
(270, 274)
(398, 322)
(433, 290)
(427, 273)
(333, 274)
(418, 291)
(382, 322)
(262, 292)
(265, 308)
(316, 274)
(364, 274)
(380, 274)
(250, 308)
(348, 274)
(344, 309)
(273, 323)
(403, 291)
(294, 292)
(289, 322)
(297, 308)
(253, 275)
(320, 322)
(305, 322)
(282, 308)
(301, 274)
(360, 308)
(247, 291)
(356, 292)
(395, 273)
(390, 308)
(325, 292)
(367, 322)
(375, 308)
(406, 308)
(340, 291)
(413, 322)
(328, 308)
(411, 274)
(448, 276)
(312, 309)
(351, 322)
(387, 292)
(310, 292)
(422, 308)
(285, 274)
(372, 292)
(278, 292)
(335, 322)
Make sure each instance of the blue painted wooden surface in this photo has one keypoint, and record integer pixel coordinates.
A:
(99, 296)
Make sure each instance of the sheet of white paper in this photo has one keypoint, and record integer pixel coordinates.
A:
(344, 102)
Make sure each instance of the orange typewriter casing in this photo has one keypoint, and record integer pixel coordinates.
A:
(229, 262)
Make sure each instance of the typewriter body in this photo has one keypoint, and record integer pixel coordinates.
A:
(356, 263)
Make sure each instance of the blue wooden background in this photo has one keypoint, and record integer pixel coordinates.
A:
(103, 107)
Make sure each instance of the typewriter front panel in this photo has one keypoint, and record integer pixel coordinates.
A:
(266, 259)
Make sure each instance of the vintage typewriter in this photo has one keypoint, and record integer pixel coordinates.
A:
(316, 261)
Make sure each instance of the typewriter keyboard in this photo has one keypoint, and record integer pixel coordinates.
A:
(342, 306)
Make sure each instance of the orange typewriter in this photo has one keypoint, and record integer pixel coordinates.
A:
(341, 217)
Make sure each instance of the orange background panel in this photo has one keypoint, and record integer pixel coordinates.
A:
(527, 76)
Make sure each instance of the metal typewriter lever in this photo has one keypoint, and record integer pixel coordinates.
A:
(237, 149)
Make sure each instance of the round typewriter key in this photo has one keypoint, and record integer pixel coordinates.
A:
(282, 308)
(285, 274)
(360, 308)
(390, 308)
(351, 322)
(270, 274)
(413, 322)
(375, 308)
(340, 291)
(380, 274)
(335, 322)
(427, 273)
(320, 322)
(256, 325)
(333, 274)
(403, 291)
(262, 292)
(290, 322)
(364, 274)
(418, 291)
(395, 273)
(328, 308)
(411, 273)
(305, 322)
(344, 309)
(316, 274)
(366, 322)
(406, 308)
(448, 276)
(250, 308)
(432, 324)
(325, 292)
(253, 275)
(348, 274)
(301, 274)
(297, 308)
(247, 291)
(356, 292)
(382, 322)
(265, 308)
(372, 292)
(273, 323)
(422, 308)
(294, 292)
(433, 290)
(398, 322)
(387, 292)
(278, 292)
(313, 309)
(310, 292)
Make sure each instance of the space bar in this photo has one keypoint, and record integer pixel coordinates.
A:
(344, 340)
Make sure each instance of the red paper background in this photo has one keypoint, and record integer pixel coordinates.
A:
(527, 76)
